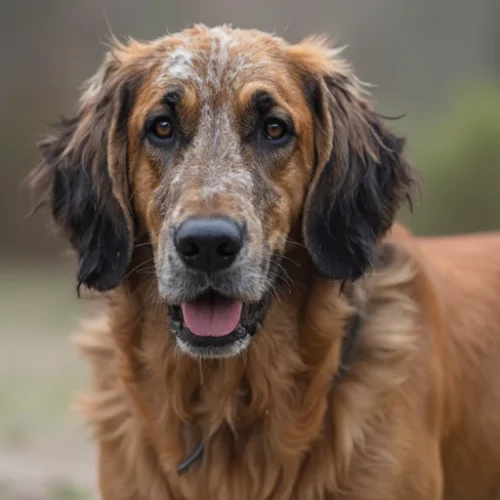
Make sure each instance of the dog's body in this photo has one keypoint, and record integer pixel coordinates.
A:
(415, 417)
(466, 278)
(227, 171)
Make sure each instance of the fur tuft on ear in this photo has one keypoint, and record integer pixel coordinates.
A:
(361, 177)
(94, 224)
(83, 177)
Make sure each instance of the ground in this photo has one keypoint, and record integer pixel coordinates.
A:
(45, 450)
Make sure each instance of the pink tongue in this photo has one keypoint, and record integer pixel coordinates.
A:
(212, 316)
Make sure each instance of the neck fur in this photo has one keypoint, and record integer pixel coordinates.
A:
(269, 406)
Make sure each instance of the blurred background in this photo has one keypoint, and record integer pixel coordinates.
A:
(437, 61)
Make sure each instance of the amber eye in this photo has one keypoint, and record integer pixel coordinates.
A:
(274, 129)
(162, 128)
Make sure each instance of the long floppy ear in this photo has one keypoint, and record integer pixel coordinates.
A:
(83, 177)
(361, 176)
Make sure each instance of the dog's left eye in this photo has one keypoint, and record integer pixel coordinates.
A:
(274, 129)
(161, 130)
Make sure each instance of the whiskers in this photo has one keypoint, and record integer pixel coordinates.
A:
(277, 282)
(293, 243)
(278, 279)
(143, 244)
(142, 266)
(264, 272)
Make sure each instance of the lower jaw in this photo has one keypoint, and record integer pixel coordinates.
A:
(224, 347)
(211, 347)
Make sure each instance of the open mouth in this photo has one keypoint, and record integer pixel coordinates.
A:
(215, 325)
(212, 315)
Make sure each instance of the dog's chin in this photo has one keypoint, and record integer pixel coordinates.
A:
(215, 326)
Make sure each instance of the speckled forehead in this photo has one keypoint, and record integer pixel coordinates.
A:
(214, 58)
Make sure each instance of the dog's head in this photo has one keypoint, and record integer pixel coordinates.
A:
(219, 144)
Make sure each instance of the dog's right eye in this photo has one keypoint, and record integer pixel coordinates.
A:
(277, 131)
(274, 129)
(160, 131)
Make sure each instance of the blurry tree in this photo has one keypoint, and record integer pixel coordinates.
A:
(459, 157)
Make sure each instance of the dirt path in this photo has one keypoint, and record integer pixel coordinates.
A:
(28, 477)
(45, 453)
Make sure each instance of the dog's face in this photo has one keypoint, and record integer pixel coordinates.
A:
(221, 146)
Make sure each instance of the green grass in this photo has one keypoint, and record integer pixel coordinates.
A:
(40, 372)
(67, 491)
(39, 369)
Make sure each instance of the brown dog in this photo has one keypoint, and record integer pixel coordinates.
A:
(268, 335)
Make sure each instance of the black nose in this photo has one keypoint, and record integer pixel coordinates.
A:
(208, 244)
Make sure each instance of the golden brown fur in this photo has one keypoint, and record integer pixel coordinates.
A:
(417, 415)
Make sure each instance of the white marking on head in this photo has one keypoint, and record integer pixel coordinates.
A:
(225, 43)
(237, 182)
(178, 64)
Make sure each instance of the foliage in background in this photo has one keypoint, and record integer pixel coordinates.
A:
(459, 157)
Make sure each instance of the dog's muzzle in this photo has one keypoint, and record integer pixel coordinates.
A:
(211, 316)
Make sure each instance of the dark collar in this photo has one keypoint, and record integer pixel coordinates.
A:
(349, 344)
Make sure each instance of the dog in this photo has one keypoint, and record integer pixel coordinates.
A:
(271, 332)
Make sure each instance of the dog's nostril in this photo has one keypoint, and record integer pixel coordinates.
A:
(188, 248)
(229, 249)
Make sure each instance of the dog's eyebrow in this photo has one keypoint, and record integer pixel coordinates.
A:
(262, 101)
(172, 97)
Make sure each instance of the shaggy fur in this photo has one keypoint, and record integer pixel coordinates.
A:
(416, 414)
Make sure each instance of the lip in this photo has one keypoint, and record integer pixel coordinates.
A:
(252, 317)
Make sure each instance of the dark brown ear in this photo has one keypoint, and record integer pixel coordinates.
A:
(83, 177)
(361, 177)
